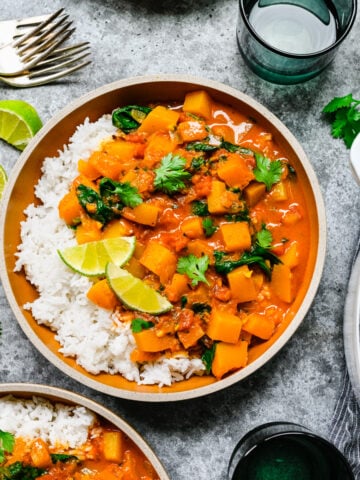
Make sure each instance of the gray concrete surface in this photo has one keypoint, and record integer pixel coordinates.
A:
(194, 439)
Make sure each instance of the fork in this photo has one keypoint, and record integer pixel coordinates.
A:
(29, 49)
(12, 29)
(62, 62)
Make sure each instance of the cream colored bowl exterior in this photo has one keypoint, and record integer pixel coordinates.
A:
(150, 88)
(55, 394)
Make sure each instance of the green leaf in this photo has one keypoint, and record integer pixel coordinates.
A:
(139, 324)
(130, 117)
(171, 174)
(209, 227)
(267, 171)
(338, 102)
(194, 267)
(63, 457)
(208, 357)
(264, 237)
(199, 208)
(119, 194)
(20, 471)
(7, 442)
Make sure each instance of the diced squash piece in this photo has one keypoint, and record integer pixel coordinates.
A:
(279, 192)
(145, 214)
(159, 260)
(221, 200)
(160, 118)
(190, 337)
(140, 357)
(88, 170)
(198, 102)
(259, 325)
(107, 165)
(192, 227)
(70, 209)
(253, 193)
(148, 341)
(224, 326)
(39, 453)
(116, 228)
(159, 144)
(235, 172)
(177, 288)
(101, 294)
(281, 282)
(135, 268)
(139, 249)
(229, 357)
(88, 231)
(199, 248)
(113, 446)
(246, 336)
(120, 149)
(291, 255)
(242, 285)
(192, 130)
(236, 236)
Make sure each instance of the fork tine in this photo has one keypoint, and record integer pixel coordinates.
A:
(43, 41)
(32, 21)
(63, 54)
(58, 66)
(50, 47)
(35, 30)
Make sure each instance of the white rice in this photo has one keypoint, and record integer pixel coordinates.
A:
(86, 332)
(56, 423)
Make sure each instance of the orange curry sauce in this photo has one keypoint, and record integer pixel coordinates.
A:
(233, 311)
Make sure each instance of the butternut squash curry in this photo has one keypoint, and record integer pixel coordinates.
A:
(220, 223)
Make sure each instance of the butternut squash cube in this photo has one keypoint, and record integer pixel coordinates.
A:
(177, 288)
(135, 268)
(236, 236)
(291, 255)
(102, 295)
(145, 214)
(229, 357)
(190, 337)
(160, 118)
(221, 200)
(242, 285)
(235, 172)
(224, 326)
(113, 446)
(192, 227)
(85, 168)
(259, 325)
(199, 248)
(199, 103)
(148, 341)
(279, 192)
(254, 192)
(159, 144)
(70, 209)
(281, 282)
(39, 454)
(121, 149)
(159, 260)
(115, 229)
(192, 130)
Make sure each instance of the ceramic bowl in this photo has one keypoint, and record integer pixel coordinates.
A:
(56, 133)
(54, 394)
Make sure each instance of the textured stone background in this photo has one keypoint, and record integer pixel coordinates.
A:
(135, 37)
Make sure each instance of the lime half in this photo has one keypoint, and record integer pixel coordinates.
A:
(3, 180)
(135, 293)
(91, 258)
(19, 122)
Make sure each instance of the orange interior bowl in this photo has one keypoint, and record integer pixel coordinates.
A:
(56, 133)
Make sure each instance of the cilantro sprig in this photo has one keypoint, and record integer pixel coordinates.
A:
(7, 442)
(139, 324)
(267, 171)
(171, 175)
(344, 116)
(194, 267)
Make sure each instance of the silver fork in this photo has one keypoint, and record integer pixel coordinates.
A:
(29, 49)
(12, 29)
(62, 62)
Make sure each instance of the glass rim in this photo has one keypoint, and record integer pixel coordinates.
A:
(300, 55)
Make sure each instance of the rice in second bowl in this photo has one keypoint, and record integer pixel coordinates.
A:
(98, 341)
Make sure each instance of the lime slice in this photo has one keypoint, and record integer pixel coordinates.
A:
(91, 258)
(135, 293)
(3, 180)
(19, 122)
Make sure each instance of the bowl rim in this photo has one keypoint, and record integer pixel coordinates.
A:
(296, 320)
(52, 393)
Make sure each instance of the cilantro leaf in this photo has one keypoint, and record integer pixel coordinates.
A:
(344, 116)
(171, 174)
(119, 193)
(267, 171)
(63, 457)
(194, 267)
(20, 471)
(139, 324)
(199, 208)
(130, 117)
(208, 226)
(208, 357)
(264, 237)
(7, 442)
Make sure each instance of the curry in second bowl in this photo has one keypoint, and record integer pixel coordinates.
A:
(171, 240)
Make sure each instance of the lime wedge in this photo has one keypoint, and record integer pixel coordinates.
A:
(135, 293)
(19, 122)
(91, 258)
(3, 180)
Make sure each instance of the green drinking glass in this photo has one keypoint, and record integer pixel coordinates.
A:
(291, 41)
(287, 451)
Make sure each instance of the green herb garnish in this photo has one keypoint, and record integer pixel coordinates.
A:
(267, 171)
(63, 458)
(7, 442)
(194, 267)
(199, 208)
(139, 324)
(199, 307)
(344, 116)
(208, 226)
(130, 117)
(208, 357)
(170, 176)
(20, 471)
